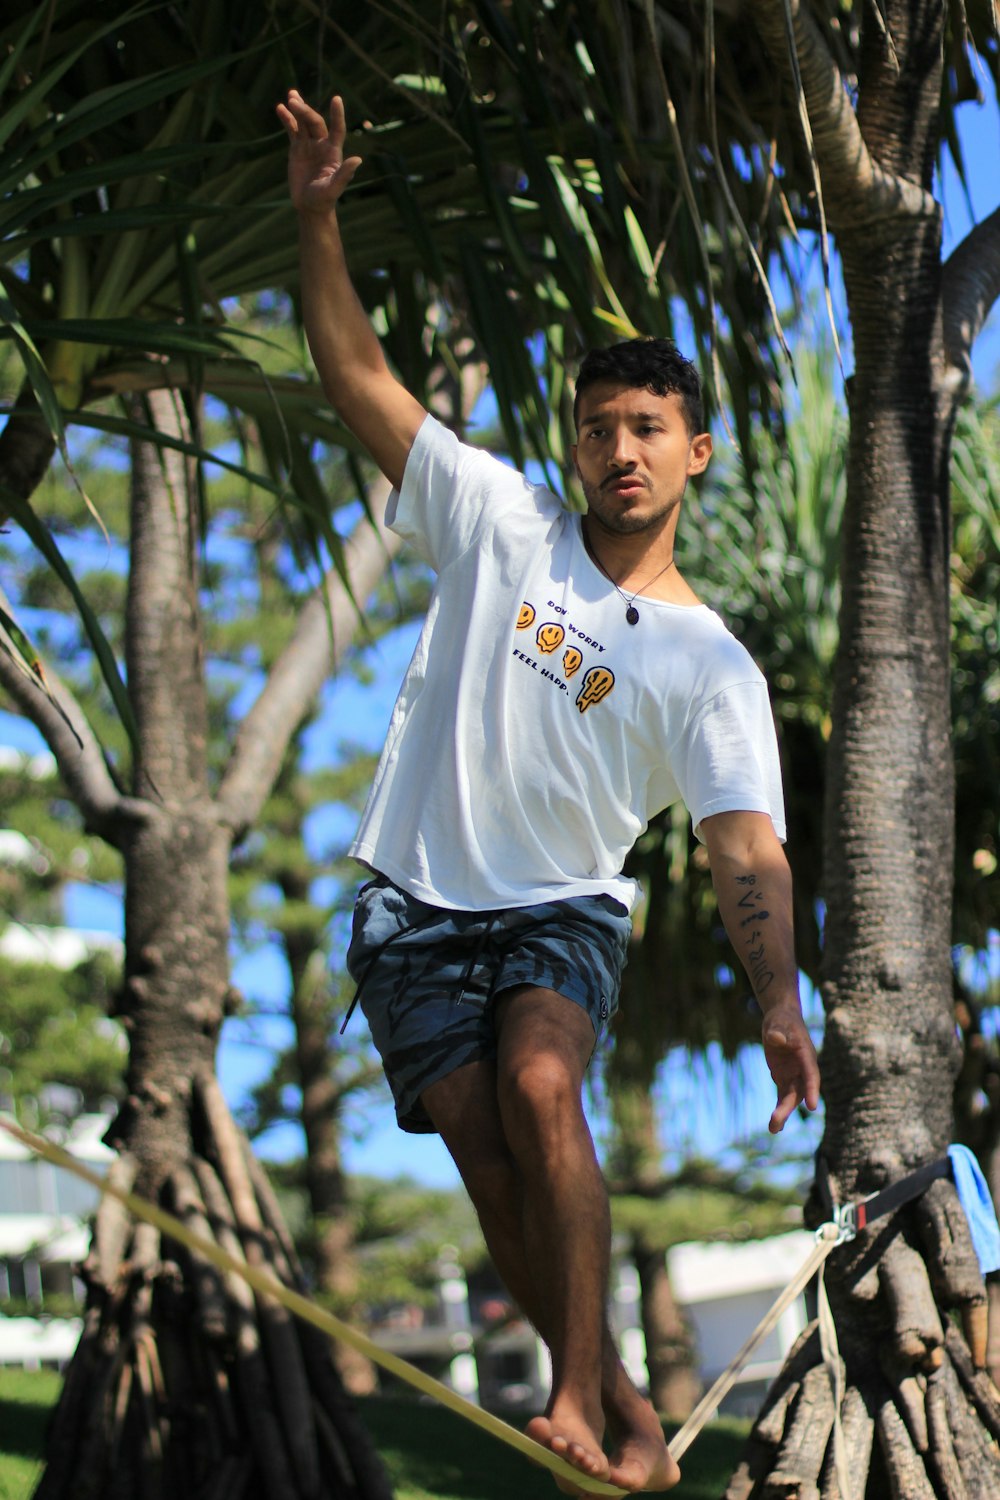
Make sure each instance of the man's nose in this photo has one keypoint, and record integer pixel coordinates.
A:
(622, 453)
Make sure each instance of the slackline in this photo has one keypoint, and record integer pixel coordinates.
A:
(827, 1239)
(267, 1285)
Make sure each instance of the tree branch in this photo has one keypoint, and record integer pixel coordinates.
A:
(856, 190)
(970, 287)
(299, 673)
(54, 711)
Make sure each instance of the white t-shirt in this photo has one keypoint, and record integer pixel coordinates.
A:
(536, 731)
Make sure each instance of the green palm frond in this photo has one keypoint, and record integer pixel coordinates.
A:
(532, 184)
(47, 546)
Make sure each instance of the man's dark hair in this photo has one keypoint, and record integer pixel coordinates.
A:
(655, 365)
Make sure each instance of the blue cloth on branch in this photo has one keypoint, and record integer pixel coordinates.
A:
(974, 1196)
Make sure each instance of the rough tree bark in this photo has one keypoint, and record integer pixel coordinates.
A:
(637, 1168)
(674, 1386)
(921, 1418)
(333, 1250)
(184, 1383)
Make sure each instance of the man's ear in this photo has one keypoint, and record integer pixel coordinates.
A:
(700, 452)
(572, 454)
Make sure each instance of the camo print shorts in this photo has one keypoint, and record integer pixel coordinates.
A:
(427, 976)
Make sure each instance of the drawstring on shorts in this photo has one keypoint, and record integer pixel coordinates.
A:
(474, 958)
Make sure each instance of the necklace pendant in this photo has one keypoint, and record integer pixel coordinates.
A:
(632, 615)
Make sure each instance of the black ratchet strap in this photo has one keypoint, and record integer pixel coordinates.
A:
(851, 1218)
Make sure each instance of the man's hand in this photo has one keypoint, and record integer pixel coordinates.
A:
(754, 887)
(792, 1060)
(317, 171)
(381, 413)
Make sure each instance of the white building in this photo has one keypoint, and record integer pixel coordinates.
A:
(725, 1290)
(42, 1237)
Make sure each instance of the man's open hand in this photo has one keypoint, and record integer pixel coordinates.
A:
(317, 171)
(792, 1060)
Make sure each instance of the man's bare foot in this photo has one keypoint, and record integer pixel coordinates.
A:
(566, 1433)
(641, 1460)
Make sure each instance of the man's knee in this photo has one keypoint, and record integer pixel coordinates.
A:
(538, 1092)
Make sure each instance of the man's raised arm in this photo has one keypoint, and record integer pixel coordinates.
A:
(368, 398)
(753, 886)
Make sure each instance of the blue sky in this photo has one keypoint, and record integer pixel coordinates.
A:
(704, 1105)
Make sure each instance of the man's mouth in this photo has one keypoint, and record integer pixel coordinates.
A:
(624, 484)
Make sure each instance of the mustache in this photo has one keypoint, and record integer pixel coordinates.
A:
(632, 477)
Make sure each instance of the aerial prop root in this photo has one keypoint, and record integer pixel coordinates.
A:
(918, 1410)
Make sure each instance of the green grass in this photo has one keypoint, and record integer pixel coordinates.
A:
(26, 1398)
(430, 1453)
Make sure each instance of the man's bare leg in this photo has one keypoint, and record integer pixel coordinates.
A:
(543, 1046)
(466, 1110)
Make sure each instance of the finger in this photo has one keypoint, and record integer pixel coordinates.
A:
(309, 119)
(347, 171)
(338, 121)
(778, 1030)
(805, 1066)
(812, 1087)
(288, 120)
(786, 1103)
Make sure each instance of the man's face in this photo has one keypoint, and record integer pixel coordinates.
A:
(634, 456)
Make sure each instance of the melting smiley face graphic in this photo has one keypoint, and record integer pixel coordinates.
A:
(596, 685)
(572, 660)
(525, 616)
(550, 637)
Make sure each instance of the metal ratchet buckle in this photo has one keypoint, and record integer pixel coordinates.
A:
(845, 1216)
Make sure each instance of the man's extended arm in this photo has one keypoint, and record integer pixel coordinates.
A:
(753, 886)
(348, 356)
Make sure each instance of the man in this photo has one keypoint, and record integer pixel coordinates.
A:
(567, 685)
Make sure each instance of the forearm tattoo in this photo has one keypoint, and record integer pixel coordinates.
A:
(753, 948)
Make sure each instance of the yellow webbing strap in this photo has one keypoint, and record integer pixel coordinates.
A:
(834, 1369)
(826, 1240)
(267, 1285)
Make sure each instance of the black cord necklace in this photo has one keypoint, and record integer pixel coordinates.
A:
(631, 613)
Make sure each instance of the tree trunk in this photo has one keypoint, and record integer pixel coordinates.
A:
(674, 1387)
(185, 1383)
(919, 1418)
(333, 1238)
(993, 1287)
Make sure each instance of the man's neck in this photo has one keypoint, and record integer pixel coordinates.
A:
(638, 563)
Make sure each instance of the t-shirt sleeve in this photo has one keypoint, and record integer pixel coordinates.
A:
(448, 489)
(726, 759)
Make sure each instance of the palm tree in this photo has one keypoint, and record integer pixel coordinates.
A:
(562, 172)
(180, 1380)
